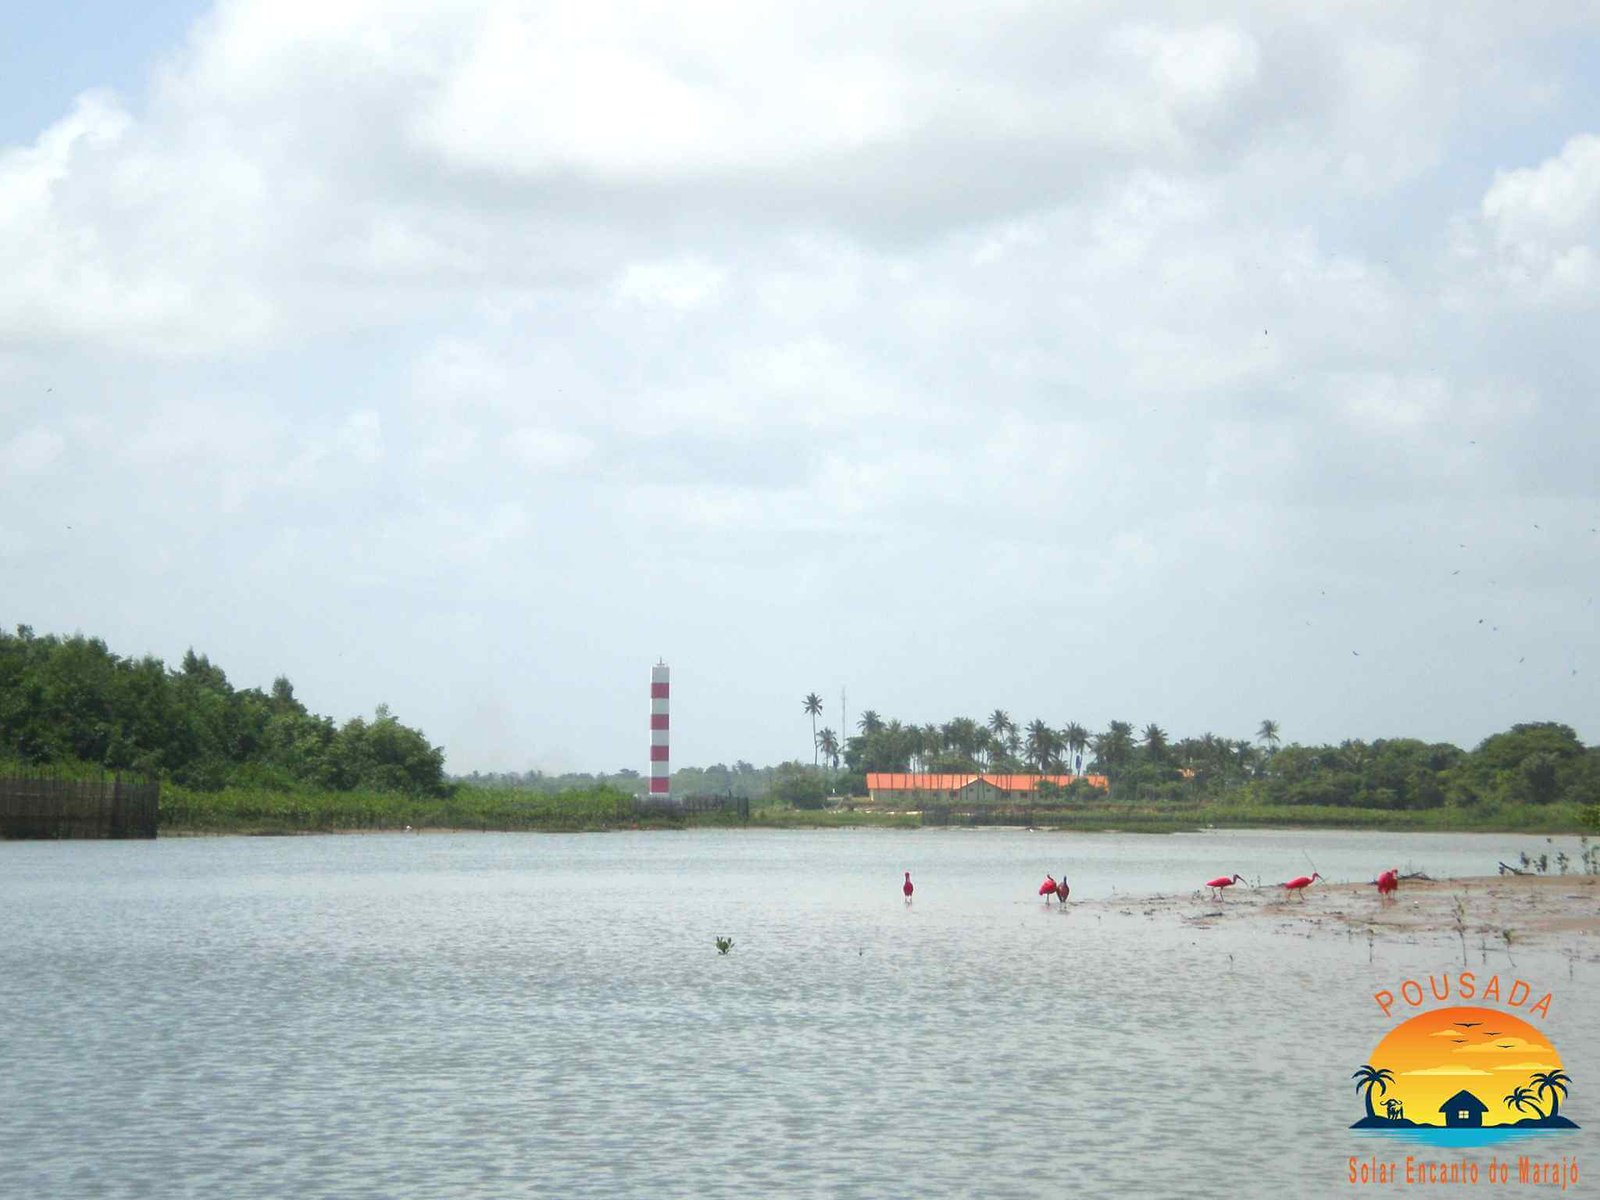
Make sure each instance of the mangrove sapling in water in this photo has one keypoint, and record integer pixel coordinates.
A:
(724, 944)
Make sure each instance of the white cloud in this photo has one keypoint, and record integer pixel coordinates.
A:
(678, 284)
(1196, 71)
(1543, 225)
(1176, 306)
(31, 451)
(361, 436)
(550, 449)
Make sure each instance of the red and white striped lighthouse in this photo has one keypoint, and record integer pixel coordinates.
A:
(660, 768)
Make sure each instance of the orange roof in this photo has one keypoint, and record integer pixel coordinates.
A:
(896, 781)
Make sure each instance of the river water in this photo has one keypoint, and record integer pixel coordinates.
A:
(487, 1015)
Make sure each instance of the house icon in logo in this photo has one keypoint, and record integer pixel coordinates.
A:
(1463, 1109)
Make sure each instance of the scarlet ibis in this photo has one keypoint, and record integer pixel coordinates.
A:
(1223, 881)
(1048, 887)
(1301, 882)
(1389, 882)
(907, 888)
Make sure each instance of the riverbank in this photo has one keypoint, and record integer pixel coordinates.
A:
(258, 810)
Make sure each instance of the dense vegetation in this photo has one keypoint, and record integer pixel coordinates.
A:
(266, 810)
(66, 701)
(1537, 775)
(789, 784)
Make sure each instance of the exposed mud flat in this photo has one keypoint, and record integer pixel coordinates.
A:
(1493, 913)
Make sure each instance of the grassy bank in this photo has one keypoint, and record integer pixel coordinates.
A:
(258, 810)
(1553, 819)
(832, 818)
(275, 811)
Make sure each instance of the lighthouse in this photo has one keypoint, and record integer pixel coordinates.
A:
(660, 766)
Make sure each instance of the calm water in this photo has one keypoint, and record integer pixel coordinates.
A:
(538, 1015)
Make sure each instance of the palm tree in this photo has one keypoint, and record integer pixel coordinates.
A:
(1040, 744)
(897, 746)
(870, 723)
(1522, 1099)
(1554, 1082)
(828, 744)
(813, 707)
(1076, 737)
(1245, 756)
(961, 737)
(1268, 733)
(986, 745)
(999, 721)
(1370, 1077)
(1111, 748)
(1155, 742)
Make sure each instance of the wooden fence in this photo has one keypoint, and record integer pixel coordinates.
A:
(43, 806)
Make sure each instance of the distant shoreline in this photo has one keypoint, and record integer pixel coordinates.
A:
(808, 819)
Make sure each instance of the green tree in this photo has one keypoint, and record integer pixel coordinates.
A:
(798, 787)
(1155, 742)
(828, 744)
(999, 723)
(1268, 733)
(813, 708)
(1077, 740)
(1113, 748)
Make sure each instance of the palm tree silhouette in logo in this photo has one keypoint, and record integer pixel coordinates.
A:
(1522, 1100)
(1554, 1082)
(1370, 1077)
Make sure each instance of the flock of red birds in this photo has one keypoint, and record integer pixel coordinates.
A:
(1388, 883)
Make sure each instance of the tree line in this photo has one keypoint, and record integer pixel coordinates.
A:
(67, 700)
(1536, 763)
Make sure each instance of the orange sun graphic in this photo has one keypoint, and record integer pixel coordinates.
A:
(1486, 1053)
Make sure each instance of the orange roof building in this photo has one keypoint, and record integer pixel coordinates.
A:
(900, 786)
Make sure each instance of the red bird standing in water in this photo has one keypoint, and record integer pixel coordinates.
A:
(1222, 881)
(1389, 882)
(907, 888)
(1051, 888)
(1301, 882)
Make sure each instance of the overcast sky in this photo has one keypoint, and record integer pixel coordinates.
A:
(1089, 361)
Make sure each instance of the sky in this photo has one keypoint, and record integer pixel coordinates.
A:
(1089, 361)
